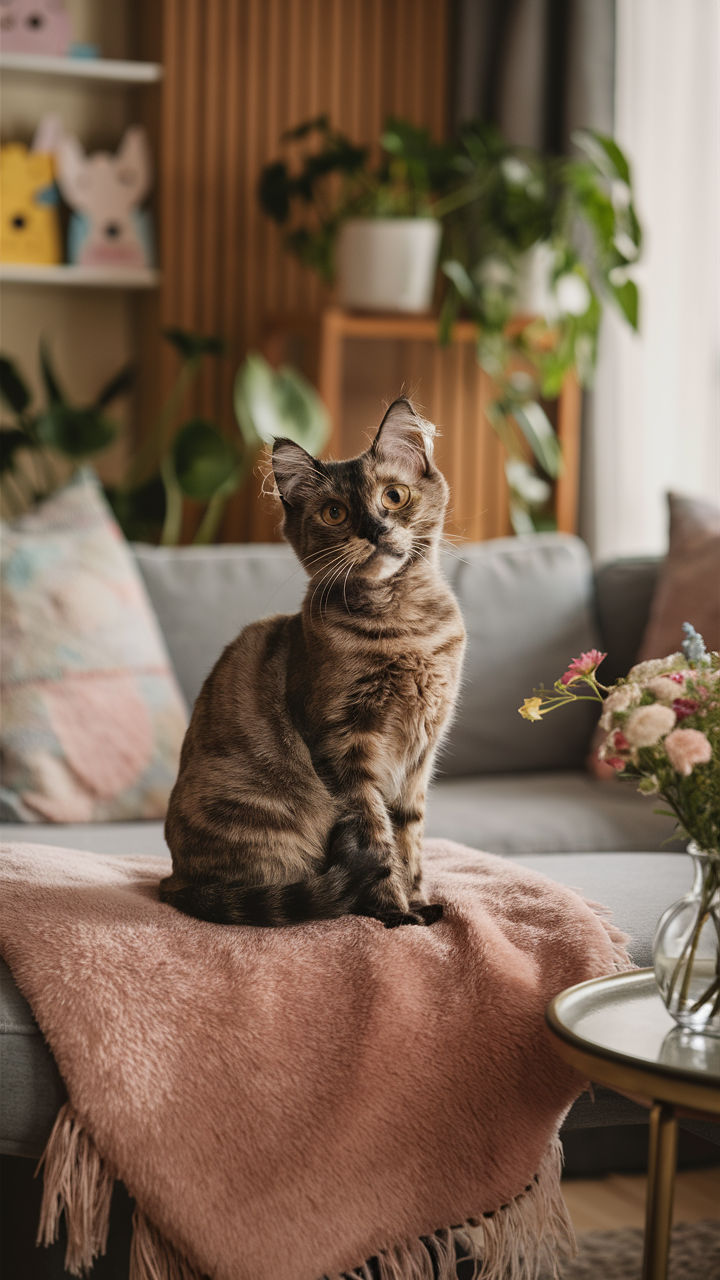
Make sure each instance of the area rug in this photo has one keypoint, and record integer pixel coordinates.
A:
(283, 1104)
(617, 1255)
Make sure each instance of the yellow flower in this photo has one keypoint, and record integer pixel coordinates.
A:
(530, 709)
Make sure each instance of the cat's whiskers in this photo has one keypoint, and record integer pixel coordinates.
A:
(325, 597)
(325, 551)
(347, 575)
(326, 571)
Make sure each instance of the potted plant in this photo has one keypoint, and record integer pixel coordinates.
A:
(179, 462)
(368, 226)
(534, 247)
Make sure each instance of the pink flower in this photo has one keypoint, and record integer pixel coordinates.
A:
(684, 707)
(616, 762)
(583, 666)
(647, 725)
(686, 748)
(609, 752)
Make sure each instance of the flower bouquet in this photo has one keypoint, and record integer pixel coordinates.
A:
(661, 727)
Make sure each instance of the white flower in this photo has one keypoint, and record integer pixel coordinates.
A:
(665, 689)
(643, 671)
(647, 725)
(627, 695)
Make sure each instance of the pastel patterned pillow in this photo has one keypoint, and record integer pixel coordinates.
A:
(93, 719)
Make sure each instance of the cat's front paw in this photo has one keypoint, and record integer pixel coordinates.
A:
(431, 912)
(394, 919)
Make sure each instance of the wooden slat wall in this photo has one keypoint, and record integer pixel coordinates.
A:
(237, 73)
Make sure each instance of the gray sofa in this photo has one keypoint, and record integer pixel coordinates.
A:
(517, 789)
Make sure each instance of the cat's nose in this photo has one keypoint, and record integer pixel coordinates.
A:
(112, 230)
(371, 529)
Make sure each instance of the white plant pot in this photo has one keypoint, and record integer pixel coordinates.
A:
(533, 294)
(387, 264)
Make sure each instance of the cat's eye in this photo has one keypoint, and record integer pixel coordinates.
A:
(395, 497)
(334, 513)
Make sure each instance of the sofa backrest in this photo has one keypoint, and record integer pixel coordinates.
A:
(623, 593)
(528, 608)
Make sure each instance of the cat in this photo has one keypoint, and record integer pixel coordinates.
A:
(301, 789)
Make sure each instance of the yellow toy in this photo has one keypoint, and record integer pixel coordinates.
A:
(29, 220)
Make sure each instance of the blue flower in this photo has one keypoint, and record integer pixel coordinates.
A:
(693, 647)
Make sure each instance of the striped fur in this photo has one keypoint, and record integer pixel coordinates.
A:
(301, 791)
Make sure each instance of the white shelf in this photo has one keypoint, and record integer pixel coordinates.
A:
(108, 69)
(84, 277)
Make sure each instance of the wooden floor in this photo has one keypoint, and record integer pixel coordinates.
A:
(601, 1204)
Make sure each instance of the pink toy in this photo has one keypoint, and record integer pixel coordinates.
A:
(107, 226)
(35, 26)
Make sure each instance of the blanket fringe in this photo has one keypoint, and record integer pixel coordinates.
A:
(78, 1185)
(152, 1257)
(522, 1240)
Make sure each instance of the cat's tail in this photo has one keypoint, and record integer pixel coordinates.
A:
(325, 897)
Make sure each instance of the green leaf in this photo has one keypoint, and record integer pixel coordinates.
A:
(604, 152)
(12, 441)
(139, 511)
(278, 402)
(448, 316)
(627, 299)
(203, 460)
(458, 275)
(76, 433)
(53, 390)
(317, 123)
(192, 345)
(117, 386)
(539, 433)
(13, 388)
(273, 191)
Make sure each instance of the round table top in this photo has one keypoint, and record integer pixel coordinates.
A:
(617, 1031)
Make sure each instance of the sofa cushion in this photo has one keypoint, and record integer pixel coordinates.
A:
(520, 814)
(93, 719)
(203, 596)
(527, 604)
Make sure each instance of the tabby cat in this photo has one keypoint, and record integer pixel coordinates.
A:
(301, 791)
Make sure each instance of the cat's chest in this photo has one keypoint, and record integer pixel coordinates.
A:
(406, 694)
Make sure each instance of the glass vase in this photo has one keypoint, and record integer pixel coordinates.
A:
(686, 949)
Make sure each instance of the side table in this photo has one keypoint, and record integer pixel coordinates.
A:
(617, 1032)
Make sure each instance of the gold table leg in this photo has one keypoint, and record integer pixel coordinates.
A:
(660, 1187)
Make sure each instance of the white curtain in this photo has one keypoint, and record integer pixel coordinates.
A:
(655, 417)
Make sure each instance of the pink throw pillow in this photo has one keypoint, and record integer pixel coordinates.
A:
(688, 588)
(93, 718)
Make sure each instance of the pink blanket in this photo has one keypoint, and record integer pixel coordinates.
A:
(284, 1104)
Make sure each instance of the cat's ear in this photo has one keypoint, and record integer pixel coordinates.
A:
(404, 439)
(296, 471)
